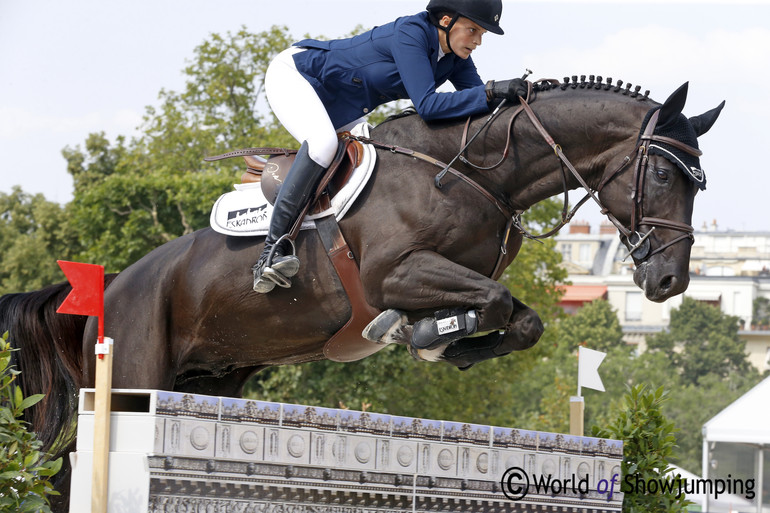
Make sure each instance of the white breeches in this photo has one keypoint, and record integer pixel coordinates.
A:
(298, 108)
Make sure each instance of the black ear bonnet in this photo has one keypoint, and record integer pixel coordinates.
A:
(682, 130)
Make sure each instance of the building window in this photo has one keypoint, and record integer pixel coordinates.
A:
(633, 306)
(566, 252)
(585, 253)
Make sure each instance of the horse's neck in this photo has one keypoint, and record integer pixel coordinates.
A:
(594, 129)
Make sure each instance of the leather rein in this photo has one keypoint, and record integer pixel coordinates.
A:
(637, 242)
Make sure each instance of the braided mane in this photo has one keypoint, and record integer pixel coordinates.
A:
(593, 82)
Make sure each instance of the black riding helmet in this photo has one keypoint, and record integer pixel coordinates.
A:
(486, 13)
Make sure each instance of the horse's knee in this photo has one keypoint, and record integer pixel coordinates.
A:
(524, 330)
(497, 310)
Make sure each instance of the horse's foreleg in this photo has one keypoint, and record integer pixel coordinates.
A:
(426, 281)
(436, 292)
(522, 332)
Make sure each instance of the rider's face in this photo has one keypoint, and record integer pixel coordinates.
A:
(464, 36)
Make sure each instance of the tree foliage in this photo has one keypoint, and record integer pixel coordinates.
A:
(33, 235)
(24, 470)
(701, 340)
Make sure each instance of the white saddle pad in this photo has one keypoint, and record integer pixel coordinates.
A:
(245, 212)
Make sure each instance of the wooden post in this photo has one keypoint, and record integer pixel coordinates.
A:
(576, 410)
(102, 399)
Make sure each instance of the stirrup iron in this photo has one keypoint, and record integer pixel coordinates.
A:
(278, 273)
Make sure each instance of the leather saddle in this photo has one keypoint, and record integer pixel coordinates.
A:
(271, 172)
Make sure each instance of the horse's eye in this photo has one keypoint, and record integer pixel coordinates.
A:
(662, 174)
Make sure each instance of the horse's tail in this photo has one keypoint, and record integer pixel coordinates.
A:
(49, 358)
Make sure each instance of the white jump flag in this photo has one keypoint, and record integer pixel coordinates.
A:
(588, 369)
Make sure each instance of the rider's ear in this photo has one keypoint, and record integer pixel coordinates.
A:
(673, 106)
(705, 121)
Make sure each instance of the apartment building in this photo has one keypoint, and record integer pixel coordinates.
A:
(728, 269)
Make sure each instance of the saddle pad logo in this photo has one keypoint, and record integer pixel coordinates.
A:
(447, 325)
(246, 216)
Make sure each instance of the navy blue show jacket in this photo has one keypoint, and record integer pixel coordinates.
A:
(395, 61)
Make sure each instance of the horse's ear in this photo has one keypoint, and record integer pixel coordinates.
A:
(673, 106)
(705, 121)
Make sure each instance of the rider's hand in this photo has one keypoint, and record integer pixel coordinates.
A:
(509, 89)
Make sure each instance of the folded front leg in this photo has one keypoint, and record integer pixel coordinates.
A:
(522, 332)
(452, 301)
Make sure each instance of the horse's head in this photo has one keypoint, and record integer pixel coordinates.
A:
(661, 180)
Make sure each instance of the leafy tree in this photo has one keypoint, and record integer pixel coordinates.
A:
(24, 470)
(595, 326)
(554, 379)
(702, 340)
(34, 234)
(685, 347)
(133, 197)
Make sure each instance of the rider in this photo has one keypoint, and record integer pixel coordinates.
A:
(319, 88)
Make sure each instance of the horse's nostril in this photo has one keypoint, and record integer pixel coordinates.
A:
(667, 283)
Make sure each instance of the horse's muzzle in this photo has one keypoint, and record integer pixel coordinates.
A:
(660, 281)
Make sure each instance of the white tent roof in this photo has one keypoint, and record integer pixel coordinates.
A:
(747, 420)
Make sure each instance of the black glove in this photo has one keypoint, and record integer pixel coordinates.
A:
(510, 89)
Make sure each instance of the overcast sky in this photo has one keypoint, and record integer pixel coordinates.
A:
(70, 68)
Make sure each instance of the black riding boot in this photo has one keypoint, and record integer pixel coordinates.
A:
(274, 266)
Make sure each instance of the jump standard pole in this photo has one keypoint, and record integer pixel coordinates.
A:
(102, 408)
(87, 298)
(576, 414)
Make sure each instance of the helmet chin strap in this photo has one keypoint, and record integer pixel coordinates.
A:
(447, 29)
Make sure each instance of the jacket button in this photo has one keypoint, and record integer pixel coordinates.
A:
(366, 110)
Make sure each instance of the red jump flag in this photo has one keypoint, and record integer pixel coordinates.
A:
(87, 295)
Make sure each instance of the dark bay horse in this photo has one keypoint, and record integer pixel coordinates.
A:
(185, 317)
